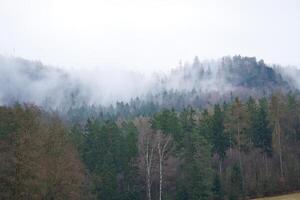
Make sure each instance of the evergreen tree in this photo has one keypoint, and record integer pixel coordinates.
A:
(276, 113)
(220, 141)
(130, 171)
(252, 116)
(166, 125)
(236, 183)
(263, 133)
(197, 169)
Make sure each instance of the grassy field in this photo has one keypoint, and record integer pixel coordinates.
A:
(295, 196)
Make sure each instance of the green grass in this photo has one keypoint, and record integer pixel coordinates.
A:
(294, 196)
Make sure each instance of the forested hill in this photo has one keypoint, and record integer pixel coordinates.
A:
(135, 148)
(202, 83)
(198, 84)
(234, 71)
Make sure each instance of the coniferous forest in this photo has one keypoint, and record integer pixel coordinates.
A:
(226, 129)
(149, 100)
(234, 146)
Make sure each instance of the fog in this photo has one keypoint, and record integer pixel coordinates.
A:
(28, 81)
(148, 36)
(203, 76)
(108, 86)
(32, 82)
(99, 52)
(291, 74)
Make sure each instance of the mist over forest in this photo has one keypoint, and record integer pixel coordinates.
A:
(222, 129)
(149, 100)
(195, 82)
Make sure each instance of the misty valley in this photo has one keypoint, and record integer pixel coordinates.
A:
(223, 129)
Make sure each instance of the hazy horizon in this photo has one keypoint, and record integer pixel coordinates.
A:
(148, 36)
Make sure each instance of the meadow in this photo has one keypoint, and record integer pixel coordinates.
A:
(294, 196)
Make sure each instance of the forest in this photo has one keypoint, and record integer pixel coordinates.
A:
(149, 100)
(237, 149)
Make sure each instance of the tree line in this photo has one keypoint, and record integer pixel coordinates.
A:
(237, 150)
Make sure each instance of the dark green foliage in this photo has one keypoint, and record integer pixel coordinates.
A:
(110, 154)
(292, 123)
(217, 188)
(263, 132)
(252, 112)
(236, 183)
(198, 164)
(196, 153)
(129, 185)
(196, 181)
(220, 141)
(166, 121)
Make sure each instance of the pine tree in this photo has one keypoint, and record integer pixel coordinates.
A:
(237, 124)
(236, 183)
(129, 172)
(220, 141)
(166, 126)
(263, 133)
(252, 114)
(276, 111)
(197, 168)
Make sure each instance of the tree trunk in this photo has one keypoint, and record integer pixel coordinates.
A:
(148, 184)
(240, 154)
(160, 174)
(162, 154)
(280, 148)
(148, 163)
(230, 144)
(266, 164)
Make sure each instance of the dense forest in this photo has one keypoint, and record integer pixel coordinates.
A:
(234, 150)
(213, 130)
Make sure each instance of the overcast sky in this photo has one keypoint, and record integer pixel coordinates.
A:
(148, 35)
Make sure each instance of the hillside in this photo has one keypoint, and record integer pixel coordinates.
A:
(203, 83)
(213, 143)
(198, 84)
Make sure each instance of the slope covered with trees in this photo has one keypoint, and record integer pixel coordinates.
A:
(38, 161)
(227, 129)
(198, 84)
(235, 150)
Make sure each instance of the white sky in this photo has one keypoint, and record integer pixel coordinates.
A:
(148, 35)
